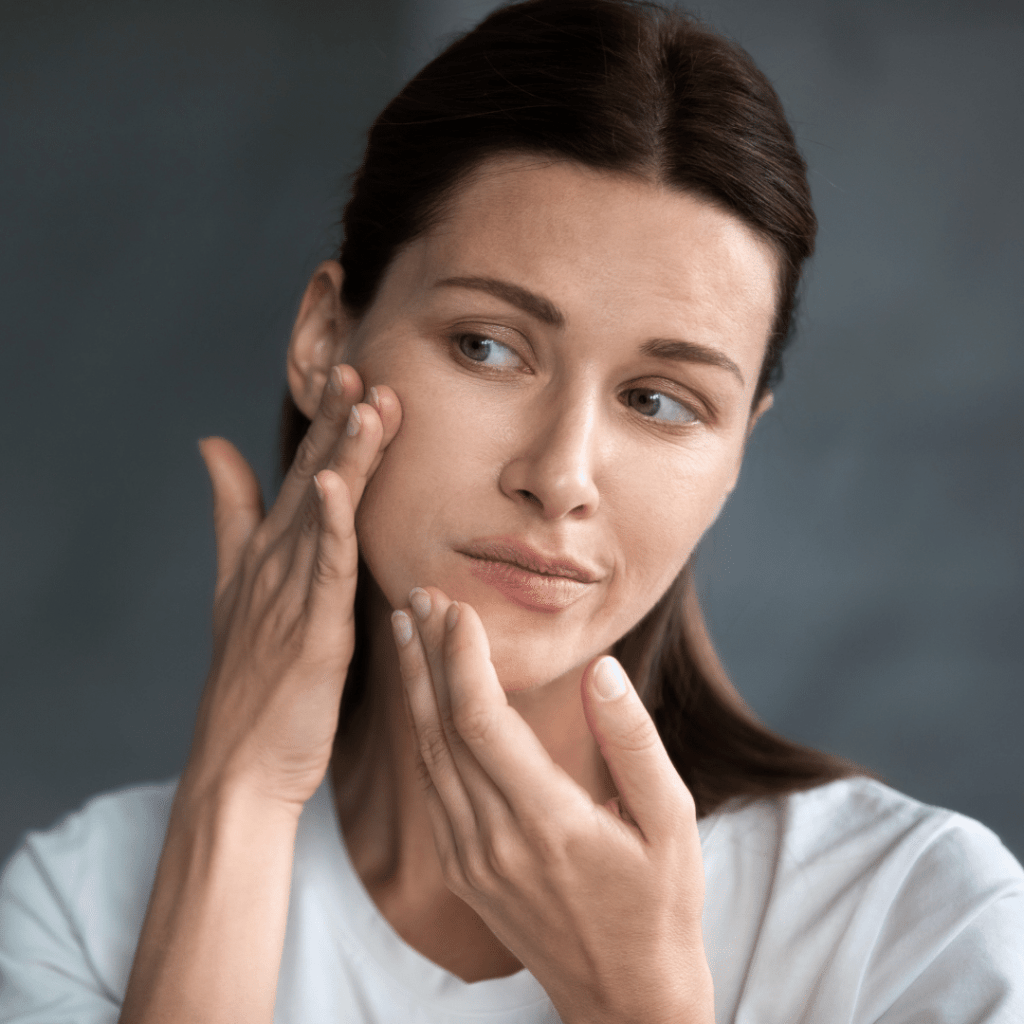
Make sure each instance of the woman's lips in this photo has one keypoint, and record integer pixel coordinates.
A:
(528, 577)
(527, 588)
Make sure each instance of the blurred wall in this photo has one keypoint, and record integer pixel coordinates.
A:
(171, 173)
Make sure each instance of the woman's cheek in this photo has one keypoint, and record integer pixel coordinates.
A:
(404, 517)
(390, 502)
(660, 528)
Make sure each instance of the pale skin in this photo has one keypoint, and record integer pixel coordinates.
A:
(499, 811)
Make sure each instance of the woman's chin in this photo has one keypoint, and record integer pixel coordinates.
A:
(526, 659)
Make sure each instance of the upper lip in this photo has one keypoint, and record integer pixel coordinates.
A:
(516, 552)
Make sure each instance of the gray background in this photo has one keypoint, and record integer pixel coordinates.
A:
(170, 173)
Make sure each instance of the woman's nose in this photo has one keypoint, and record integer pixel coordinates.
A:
(553, 467)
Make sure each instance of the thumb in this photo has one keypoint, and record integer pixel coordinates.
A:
(649, 786)
(237, 502)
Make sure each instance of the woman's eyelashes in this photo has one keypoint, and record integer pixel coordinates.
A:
(656, 405)
(487, 351)
(653, 403)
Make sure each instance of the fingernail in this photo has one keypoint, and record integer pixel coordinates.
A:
(375, 399)
(334, 381)
(353, 422)
(452, 615)
(402, 625)
(319, 487)
(609, 679)
(420, 601)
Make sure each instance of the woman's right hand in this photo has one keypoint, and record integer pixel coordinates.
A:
(283, 624)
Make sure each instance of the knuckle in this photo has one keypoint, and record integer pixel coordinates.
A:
(457, 643)
(423, 774)
(637, 735)
(266, 580)
(324, 571)
(257, 548)
(502, 859)
(278, 630)
(550, 846)
(307, 457)
(473, 721)
(433, 746)
(477, 868)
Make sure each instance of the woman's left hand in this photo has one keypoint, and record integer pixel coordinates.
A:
(602, 903)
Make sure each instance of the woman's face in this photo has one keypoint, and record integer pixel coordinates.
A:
(576, 354)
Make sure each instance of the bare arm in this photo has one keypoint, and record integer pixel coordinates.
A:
(211, 943)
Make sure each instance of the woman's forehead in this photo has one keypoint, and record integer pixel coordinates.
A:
(597, 244)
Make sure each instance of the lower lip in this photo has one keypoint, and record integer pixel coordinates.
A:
(529, 589)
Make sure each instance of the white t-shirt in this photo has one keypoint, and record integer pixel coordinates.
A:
(849, 903)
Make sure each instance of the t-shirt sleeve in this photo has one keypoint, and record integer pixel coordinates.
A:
(45, 972)
(952, 947)
(72, 902)
(977, 977)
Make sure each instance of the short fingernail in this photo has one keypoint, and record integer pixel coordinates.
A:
(609, 679)
(354, 419)
(319, 487)
(334, 382)
(452, 615)
(420, 601)
(402, 625)
(375, 399)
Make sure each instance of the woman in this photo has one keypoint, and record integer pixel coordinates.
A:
(462, 717)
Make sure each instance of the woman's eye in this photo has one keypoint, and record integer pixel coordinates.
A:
(481, 349)
(657, 405)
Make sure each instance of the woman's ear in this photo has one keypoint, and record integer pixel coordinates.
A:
(766, 402)
(319, 337)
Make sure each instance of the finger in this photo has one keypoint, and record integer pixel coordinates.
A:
(502, 744)
(444, 836)
(368, 430)
(650, 789)
(369, 433)
(351, 461)
(433, 629)
(358, 449)
(342, 390)
(389, 409)
(331, 585)
(431, 738)
(237, 502)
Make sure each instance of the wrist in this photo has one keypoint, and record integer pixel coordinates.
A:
(235, 804)
(685, 998)
(211, 943)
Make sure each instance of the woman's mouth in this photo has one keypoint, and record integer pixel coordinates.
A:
(528, 577)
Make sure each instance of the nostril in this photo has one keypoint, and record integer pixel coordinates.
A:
(529, 496)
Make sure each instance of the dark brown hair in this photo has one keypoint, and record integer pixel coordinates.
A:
(632, 88)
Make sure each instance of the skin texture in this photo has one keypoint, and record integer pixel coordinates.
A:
(539, 441)
(498, 811)
(549, 452)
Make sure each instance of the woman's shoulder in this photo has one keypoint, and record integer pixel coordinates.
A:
(860, 819)
(867, 897)
(73, 897)
(116, 831)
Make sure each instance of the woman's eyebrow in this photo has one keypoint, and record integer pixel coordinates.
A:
(547, 312)
(530, 302)
(690, 352)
